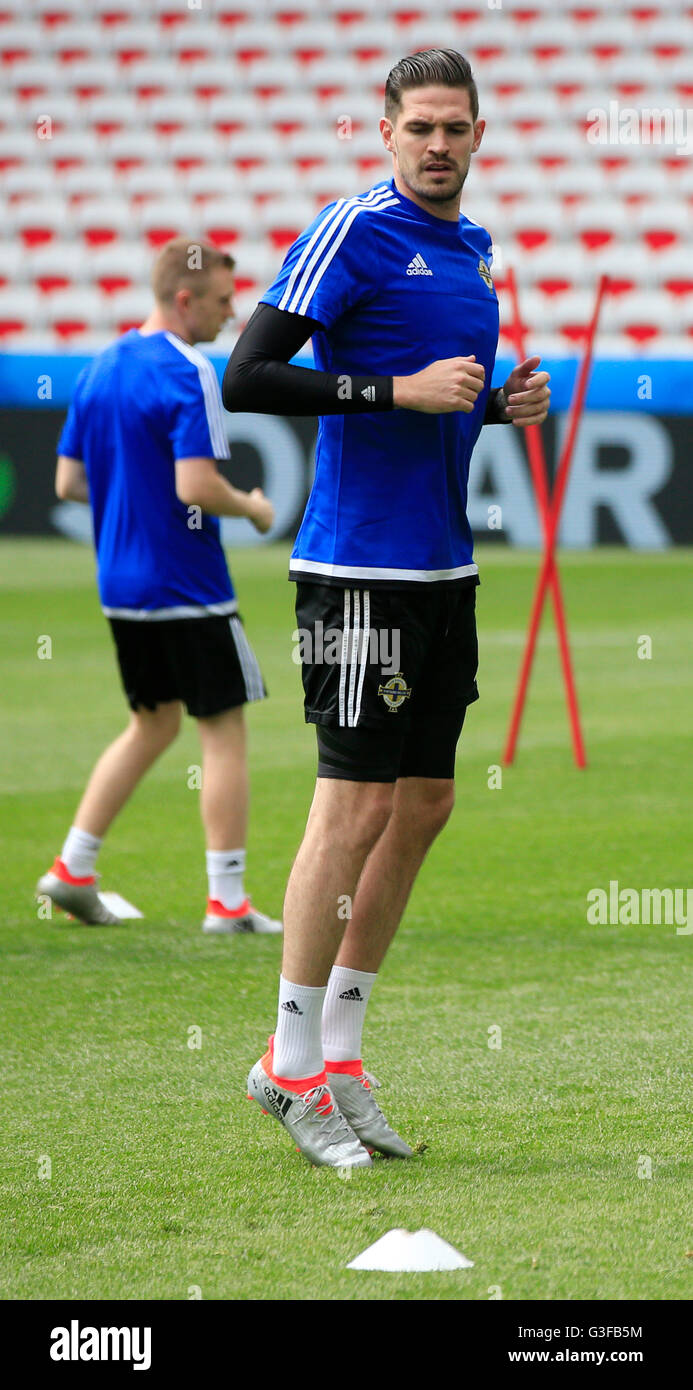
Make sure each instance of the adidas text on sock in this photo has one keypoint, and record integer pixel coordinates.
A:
(344, 1011)
(298, 1036)
(225, 870)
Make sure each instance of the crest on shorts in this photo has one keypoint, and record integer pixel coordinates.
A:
(485, 273)
(395, 692)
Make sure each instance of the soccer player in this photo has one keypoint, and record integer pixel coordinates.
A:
(140, 444)
(394, 288)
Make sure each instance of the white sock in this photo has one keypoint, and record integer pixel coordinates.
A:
(298, 1036)
(225, 869)
(79, 852)
(344, 1011)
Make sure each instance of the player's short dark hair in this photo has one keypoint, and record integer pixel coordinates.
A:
(185, 263)
(443, 66)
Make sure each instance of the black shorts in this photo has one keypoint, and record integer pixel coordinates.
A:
(207, 663)
(387, 675)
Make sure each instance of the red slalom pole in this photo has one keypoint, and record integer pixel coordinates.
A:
(550, 512)
(537, 460)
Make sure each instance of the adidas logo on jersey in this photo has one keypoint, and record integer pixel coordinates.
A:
(418, 266)
(354, 993)
(369, 393)
(292, 1007)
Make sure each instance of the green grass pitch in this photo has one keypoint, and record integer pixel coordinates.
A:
(165, 1183)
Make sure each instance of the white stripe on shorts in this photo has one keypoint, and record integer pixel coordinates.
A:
(250, 670)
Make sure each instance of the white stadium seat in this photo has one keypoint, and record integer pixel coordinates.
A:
(221, 217)
(100, 220)
(64, 261)
(212, 181)
(150, 181)
(38, 220)
(200, 145)
(165, 218)
(22, 309)
(125, 261)
(13, 264)
(86, 181)
(35, 179)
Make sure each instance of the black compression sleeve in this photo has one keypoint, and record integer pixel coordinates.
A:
(495, 408)
(258, 376)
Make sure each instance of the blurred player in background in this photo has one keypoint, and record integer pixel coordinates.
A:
(140, 444)
(395, 289)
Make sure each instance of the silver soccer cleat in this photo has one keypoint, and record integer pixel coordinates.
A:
(221, 920)
(354, 1096)
(76, 896)
(311, 1117)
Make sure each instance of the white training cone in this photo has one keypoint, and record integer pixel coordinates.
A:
(411, 1251)
(120, 907)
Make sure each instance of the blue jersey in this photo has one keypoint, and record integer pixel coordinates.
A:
(394, 289)
(144, 402)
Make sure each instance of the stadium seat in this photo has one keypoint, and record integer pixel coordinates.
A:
(224, 222)
(186, 148)
(84, 181)
(111, 111)
(152, 76)
(70, 313)
(641, 315)
(173, 110)
(89, 76)
(22, 311)
(602, 223)
(149, 181)
(17, 147)
(207, 181)
(27, 180)
(163, 219)
(13, 264)
(56, 266)
(325, 182)
(131, 147)
(102, 220)
(253, 146)
(662, 225)
(120, 266)
(69, 41)
(37, 220)
(229, 111)
(126, 310)
(283, 180)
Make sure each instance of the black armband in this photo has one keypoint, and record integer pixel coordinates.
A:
(496, 408)
(259, 377)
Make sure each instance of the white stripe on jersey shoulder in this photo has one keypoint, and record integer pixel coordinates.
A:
(340, 216)
(211, 393)
(478, 224)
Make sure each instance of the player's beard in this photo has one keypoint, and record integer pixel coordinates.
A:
(447, 193)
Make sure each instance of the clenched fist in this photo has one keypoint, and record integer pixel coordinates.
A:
(260, 510)
(453, 383)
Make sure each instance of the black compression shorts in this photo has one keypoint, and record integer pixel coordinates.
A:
(387, 677)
